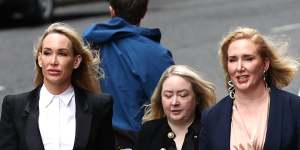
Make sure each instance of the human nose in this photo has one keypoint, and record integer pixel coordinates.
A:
(53, 59)
(240, 65)
(174, 100)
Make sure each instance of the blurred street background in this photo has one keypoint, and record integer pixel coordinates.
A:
(191, 29)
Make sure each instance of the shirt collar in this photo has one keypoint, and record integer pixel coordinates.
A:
(47, 97)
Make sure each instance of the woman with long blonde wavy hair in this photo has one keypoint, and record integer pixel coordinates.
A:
(257, 114)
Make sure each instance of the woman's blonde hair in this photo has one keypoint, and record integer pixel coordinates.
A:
(204, 91)
(87, 74)
(282, 69)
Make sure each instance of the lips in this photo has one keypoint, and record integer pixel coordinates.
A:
(175, 111)
(53, 72)
(242, 78)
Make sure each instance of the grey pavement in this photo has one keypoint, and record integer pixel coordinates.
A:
(191, 29)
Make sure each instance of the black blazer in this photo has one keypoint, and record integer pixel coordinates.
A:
(283, 129)
(154, 136)
(19, 122)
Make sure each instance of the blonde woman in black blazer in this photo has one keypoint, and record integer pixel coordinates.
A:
(173, 118)
(65, 70)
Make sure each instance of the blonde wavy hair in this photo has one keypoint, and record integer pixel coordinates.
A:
(204, 91)
(87, 74)
(282, 69)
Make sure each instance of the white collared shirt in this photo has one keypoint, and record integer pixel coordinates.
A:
(57, 121)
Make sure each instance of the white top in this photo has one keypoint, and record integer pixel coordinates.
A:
(57, 121)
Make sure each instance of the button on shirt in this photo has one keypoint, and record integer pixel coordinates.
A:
(57, 121)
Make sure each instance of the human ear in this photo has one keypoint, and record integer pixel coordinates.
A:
(39, 59)
(112, 11)
(77, 61)
(267, 64)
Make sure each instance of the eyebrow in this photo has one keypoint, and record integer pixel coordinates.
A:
(245, 55)
(180, 91)
(60, 49)
(63, 49)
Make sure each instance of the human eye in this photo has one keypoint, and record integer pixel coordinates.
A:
(62, 54)
(249, 58)
(231, 59)
(183, 94)
(167, 94)
(46, 52)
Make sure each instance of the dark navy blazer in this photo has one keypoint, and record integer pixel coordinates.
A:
(283, 130)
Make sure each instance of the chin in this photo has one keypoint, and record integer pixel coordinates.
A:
(176, 118)
(243, 86)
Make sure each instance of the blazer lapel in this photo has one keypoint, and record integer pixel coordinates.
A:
(31, 129)
(225, 123)
(220, 125)
(83, 120)
(274, 131)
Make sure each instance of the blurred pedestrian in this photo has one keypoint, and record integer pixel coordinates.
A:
(132, 60)
(65, 111)
(173, 117)
(256, 114)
